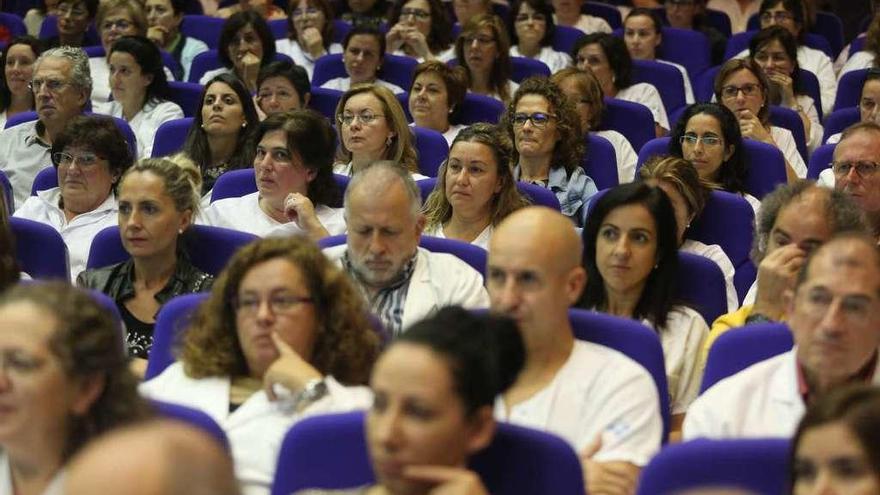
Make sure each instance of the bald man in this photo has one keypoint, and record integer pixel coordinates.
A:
(603, 403)
(161, 457)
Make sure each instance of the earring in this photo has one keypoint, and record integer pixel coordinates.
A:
(243, 125)
(388, 141)
(180, 231)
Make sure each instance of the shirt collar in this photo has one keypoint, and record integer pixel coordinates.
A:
(864, 375)
(557, 178)
(174, 286)
(398, 281)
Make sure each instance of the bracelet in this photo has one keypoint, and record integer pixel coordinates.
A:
(314, 390)
(758, 318)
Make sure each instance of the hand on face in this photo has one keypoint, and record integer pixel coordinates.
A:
(312, 40)
(290, 370)
(447, 480)
(157, 35)
(776, 274)
(751, 127)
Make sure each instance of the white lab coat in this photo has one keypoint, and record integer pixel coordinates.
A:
(257, 428)
(438, 280)
(56, 486)
(761, 401)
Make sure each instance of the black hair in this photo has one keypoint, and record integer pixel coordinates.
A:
(237, 22)
(36, 47)
(296, 75)
(732, 173)
(368, 31)
(440, 36)
(616, 53)
(655, 19)
(148, 56)
(485, 353)
(657, 297)
(542, 7)
(789, 44)
(796, 7)
(100, 135)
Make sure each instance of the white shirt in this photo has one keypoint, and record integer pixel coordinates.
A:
(191, 48)
(834, 138)
(716, 254)
(647, 95)
(344, 83)
(553, 59)
(257, 427)
(739, 19)
(598, 391)
(688, 90)
(826, 178)
(100, 72)
(626, 155)
(300, 57)
(786, 144)
(244, 214)
(761, 401)
(55, 487)
(444, 55)
(512, 86)
(79, 232)
(146, 122)
(481, 240)
(211, 74)
(22, 155)
(754, 202)
(682, 341)
(438, 280)
(345, 169)
(2, 120)
(814, 140)
(453, 131)
(860, 60)
(589, 24)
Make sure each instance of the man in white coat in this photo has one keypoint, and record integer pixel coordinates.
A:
(834, 314)
(599, 400)
(854, 169)
(402, 282)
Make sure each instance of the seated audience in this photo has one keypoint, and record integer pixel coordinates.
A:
(61, 87)
(140, 91)
(600, 401)
(89, 155)
(742, 87)
(436, 97)
(10, 271)
(402, 282)
(793, 221)
(420, 29)
(548, 147)
(854, 170)
(464, 10)
(834, 315)
(280, 334)
(157, 201)
(246, 44)
(116, 18)
(569, 13)
(708, 136)
(864, 58)
(282, 86)
(34, 17)
(631, 261)
(66, 382)
(607, 58)
(532, 30)
(774, 50)
(296, 193)
(73, 21)
(163, 29)
(17, 62)
(265, 8)
(183, 460)
(372, 126)
(836, 446)
(739, 11)
(365, 13)
(692, 15)
(311, 33)
(869, 110)
(688, 193)
(475, 189)
(363, 54)
(643, 33)
(584, 91)
(483, 49)
(222, 134)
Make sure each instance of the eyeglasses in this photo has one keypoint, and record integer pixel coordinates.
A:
(52, 85)
(863, 169)
(309, 12)
(779, 16)
(120, 24)
(526, 17)
(731, 91)
(365, 118)
(415, 14)
(480, 40)
(692, 140)
(764, 57)
(280, 304)
(538, 119)
(72, 11)
(817, 301)
(85, 160)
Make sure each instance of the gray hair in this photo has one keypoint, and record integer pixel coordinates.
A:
(843, 214)
(80, 75)
(380, 175)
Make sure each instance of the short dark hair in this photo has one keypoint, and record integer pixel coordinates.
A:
(455, 79)
(655, 19)
(365, 30)
(90, 5)
(310, 136)
(102, 136)
(326, 8)
(148, 56)
(733, 172)
(36, 47)
(542, 7)
(789, 44)
(615, 51)
(485, 353)
(440, 36)
(657, 297)
(236, 23)
(796, 7)
(297, 76)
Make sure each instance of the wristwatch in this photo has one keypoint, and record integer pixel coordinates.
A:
(314, 390)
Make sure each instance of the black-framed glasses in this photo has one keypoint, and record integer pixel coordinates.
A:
(120, 24)
(707, 139)
(538, 119)
(750, 89)
(84, 160)
(279, 303)
(862, 168)
(480, 40)
(415, 14)
(779, 16)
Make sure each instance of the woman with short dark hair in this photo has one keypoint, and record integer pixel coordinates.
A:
(311, 33)
(532, 28)
(163, 29)
(246, 44)
(420, 29)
